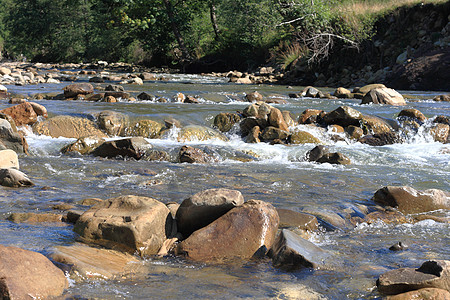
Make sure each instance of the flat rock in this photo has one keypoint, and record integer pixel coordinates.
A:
(67, 126)
(240, 233)
(29, 275)
(432, 274)
(33, 218)
(73, 90)
(291, 252)
(131, 223)
(409, 201)
(290, 218)
(8, 159)
(422, 294)
(91, 263)
(205, 207)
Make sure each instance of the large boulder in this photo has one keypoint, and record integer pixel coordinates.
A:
(205, 207)
(14, 178)
(432, 274)
(131, 223)
(241, 233)
(383, 96)
(73, 90)
(276, 119)
(344, 116)
(29, 275)
(134, 147)
(410, 201)
(145, 128)
(375, 125)
(23, 114)
(67, 126)
(8, 159)
(89, 262)
(112, 122)
(271, 133)
(291, 252)
(10, 138)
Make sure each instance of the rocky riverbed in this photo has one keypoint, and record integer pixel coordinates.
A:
(139, 184)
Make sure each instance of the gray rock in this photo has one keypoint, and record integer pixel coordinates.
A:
(14, 178)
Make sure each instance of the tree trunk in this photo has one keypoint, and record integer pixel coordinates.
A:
(212, 11)
(176, 31)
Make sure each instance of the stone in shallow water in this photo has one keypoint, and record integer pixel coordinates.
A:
(14, 178)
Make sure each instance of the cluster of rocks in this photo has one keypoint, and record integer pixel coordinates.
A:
(266, 75)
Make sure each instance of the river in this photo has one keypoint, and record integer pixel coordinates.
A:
(280, 176)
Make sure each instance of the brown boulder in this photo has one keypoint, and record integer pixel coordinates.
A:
(225, 121)
(199, 133)
(10, 138)
(341, 92)
(131, 223)
(344, 116)
(422, 294)
(240, 233)
(40, 110)
(67, 126)
(311, 116)
(290, 218)
(445, 98)
(272, 133)
(23, 114)
(383, 96)
(134, 147)
(291, 252)
(432, 274)
(381, 139)
(303, 137)
(91, 263)
(254, 97)
(410, 201)
(112, 122)
(276, 119)
(375, 125)
(412, 113)
(28, 275)
(191, 155)
(335, 158)
(205, 207)
(117, 95)
(73, 90)
(254, 135)
(145, 128)
(367, 88)
(354, 132)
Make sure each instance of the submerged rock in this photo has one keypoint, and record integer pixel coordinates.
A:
(291, 252)
(320, 154)
(132, 223)
(205, 207)
(34, 218)
(432, 274)
(29, 275)
(409, 201)
(240, 233)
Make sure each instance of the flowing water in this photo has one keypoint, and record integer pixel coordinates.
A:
(280, 176)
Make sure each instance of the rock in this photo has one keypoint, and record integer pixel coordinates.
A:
(155, 155)
(84, 145)
(291, 252)
(342, 93)
(10, 138)
(29, 275)
(316, 153)
(67, 126)
(14, 178)
(191, 99)
(432, 274)
(375, 125)
(288, 118)
(311, 92)
(145, 128)
(367, 88)
(95, 97)
(290, 218)
(254, 135)
(383, 96)
(113, 123)
(8, 159)
(109, 99)
(422, 294)
(343, 116)
(244, 80)
(136, 80)
(5, 71)
(413, 114)
(147, 76)
(303, 137)
(191, 155)
(240, 233)
(180, 97)
(145, 97)
(134, 147)
(225, 121)
(205, 207)
(192, 133)
(251, 110)
(399, 246)
(23, 114)
(132, 223)
(247, 124)
(445, 98)
(114, 88)
(410, 201)
(171, 122)
(96, 79)
(382, 139)
(272, 133)
(73, 90)
(311, 116)
(276, 119)
(117, 95)
(96, 263)
(254, 97)
(354, 132)
(336, 158)
(33, 218)
(442, 119)
(440, 132)
(387, 216)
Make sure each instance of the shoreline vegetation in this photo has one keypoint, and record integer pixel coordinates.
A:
(320, 43)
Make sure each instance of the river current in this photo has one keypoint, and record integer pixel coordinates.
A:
(280, 176)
